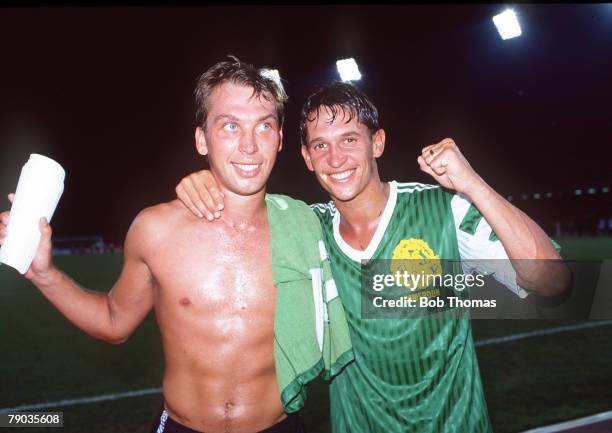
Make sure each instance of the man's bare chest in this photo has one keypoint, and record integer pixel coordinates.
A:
(215, 269)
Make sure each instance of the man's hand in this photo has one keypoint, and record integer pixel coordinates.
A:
(42, 266)
(200, 193)
(521, 237)
(445, 163)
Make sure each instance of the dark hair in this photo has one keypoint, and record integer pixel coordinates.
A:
(236, 72)
(339, 97)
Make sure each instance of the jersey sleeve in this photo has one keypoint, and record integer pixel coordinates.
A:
(480, 249)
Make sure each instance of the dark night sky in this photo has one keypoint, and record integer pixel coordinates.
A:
(107, 92)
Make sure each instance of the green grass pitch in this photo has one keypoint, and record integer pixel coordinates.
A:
(528, 383)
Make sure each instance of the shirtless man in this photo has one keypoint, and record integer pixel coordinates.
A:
(211, 284)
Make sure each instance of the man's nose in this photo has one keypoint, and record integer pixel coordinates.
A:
(335, 157)
(248, 144)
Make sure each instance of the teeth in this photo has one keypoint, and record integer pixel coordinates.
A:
(247, 167)
(342, 175)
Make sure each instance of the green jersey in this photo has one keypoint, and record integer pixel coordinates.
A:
(411, 375)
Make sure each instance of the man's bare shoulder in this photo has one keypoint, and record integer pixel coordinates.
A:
(157, 223)
(164, 212)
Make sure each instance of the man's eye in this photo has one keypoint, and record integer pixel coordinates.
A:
(350, 140)
(320, 146)
(265, 127)
(230, 127)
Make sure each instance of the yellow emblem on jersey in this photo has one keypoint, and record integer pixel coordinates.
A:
(416, 257)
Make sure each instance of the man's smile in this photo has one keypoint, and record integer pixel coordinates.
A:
(341, 176)
(247, 169)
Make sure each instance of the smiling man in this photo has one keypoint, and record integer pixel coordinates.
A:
(417, 374)
(243, 329)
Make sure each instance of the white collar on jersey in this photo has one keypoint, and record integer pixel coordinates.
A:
(358, 255)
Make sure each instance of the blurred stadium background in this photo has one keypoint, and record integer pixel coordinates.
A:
(107, 93)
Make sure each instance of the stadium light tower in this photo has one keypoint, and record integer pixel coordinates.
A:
(507, 24)
(348, 70)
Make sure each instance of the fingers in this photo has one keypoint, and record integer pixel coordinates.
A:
(11, 197)
(184, 196)
(447, 141)
(45, 234)
(201, 194)
(434, 158)
(217, 196)
(438, 161)
(438, 165)
(425, 167)
(426, 149)
(4, 219)
(45, 228)
(435, 167)
(430, 152)
(205, 181)
(202, 197)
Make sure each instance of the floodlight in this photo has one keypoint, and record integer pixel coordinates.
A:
(348, 70)
(273, 75)
(507, 24)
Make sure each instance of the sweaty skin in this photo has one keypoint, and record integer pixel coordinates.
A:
(214, 302)
(211, 284)
(212, 289)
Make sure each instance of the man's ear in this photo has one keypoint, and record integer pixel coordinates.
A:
(200, 141)
(306, 156)
(378, 143)
(280, 143)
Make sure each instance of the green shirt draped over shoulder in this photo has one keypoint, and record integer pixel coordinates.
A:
(310, 330)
